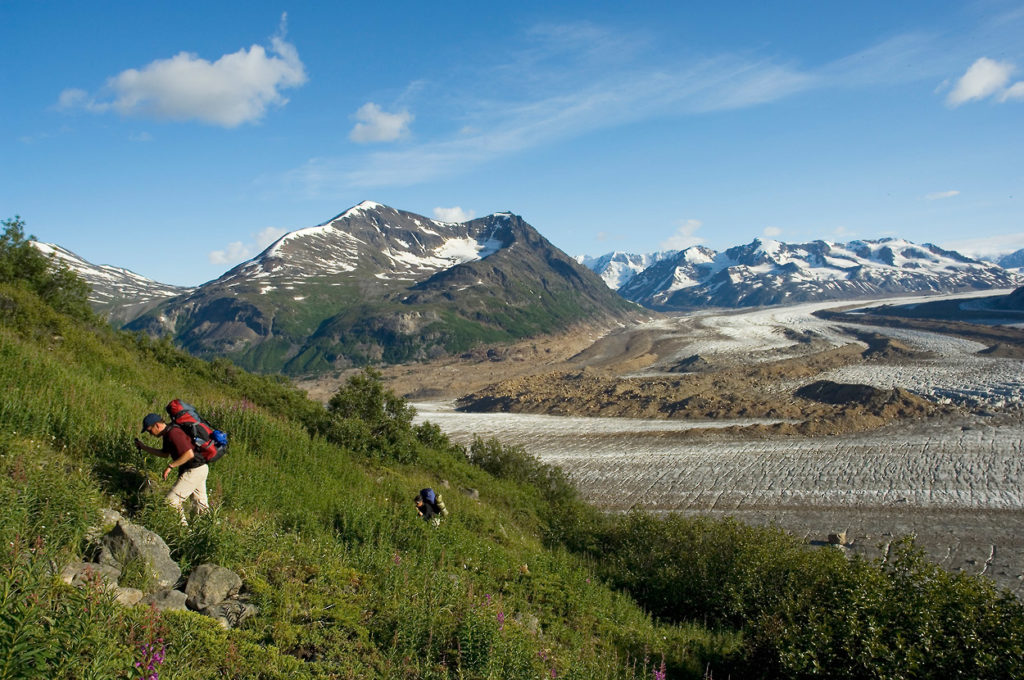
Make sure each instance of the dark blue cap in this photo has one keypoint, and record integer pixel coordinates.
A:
(150, 420)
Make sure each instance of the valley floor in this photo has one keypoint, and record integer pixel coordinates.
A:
(952, 477)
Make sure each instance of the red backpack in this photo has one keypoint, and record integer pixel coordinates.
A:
(208, 442)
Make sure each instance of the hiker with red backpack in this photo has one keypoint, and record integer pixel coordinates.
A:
(190, 443)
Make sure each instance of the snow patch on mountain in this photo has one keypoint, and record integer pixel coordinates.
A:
(111, 284)
(617, 268)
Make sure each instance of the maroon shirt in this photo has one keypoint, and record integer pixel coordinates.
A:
(176, 442)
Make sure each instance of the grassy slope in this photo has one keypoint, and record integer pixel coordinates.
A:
(349, 582)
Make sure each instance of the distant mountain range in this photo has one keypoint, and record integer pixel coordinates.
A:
(376, 284)
(767, 272)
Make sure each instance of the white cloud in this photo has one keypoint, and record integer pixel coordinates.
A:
(772, 232)
(983, 79)
(989, 247)
(268, 235)
(939, 195)
(842, 232)
(236, 88)
(456, 214)
(237, 251)
(1015, 91)
(377, 126)
(684, 236)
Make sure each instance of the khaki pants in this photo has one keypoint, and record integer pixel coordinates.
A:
(190, 483)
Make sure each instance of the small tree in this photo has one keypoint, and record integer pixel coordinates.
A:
(370, 419)
(23, 264)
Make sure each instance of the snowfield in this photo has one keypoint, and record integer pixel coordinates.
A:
(956, 484)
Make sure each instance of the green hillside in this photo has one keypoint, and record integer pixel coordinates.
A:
(312, 507)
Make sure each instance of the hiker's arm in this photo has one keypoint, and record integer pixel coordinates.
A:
(178, 462)
(149, 449)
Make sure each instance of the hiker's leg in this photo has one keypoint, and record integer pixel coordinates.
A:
(185, 487)
(199, 495)
(175, 500)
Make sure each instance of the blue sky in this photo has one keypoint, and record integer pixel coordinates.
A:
(178, 139)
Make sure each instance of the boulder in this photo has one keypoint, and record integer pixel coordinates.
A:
(230, 613)
(108, 518)
(128, 541)
(166, 600)
(129, 596)
(80, 574)
(209, 584)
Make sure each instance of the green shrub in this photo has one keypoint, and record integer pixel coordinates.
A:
(514, 463)
(369, 419)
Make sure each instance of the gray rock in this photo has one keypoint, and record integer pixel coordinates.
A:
(472, 493)
(80, 574)
(128, 541)
(166, 600)
(209, 584)
(108, 518)
(129, 596)
(230, 613)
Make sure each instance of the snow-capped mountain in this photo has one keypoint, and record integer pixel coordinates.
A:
(1014, 260)
(767, 272)
(379, 284)
(618, 268)
(113, 288)
(399, 246)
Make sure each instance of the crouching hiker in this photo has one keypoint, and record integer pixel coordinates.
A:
(192, 469)
(430, 506)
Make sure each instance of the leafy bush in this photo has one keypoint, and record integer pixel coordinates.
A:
(367, 418)
(514, 463)
(815, 613)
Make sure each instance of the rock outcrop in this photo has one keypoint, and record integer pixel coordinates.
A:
(211, 590)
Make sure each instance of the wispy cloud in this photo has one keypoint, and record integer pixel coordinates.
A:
(569, 80)
(985, 78)
(237, 88)
(377, 126)
(684, 237)
(455, 214)
(1015, 91)
(237, 251)
(772, 232)
(987, 247)
(939, 195)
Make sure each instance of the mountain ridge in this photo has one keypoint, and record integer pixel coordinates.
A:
(377, 284)
(769, 272)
